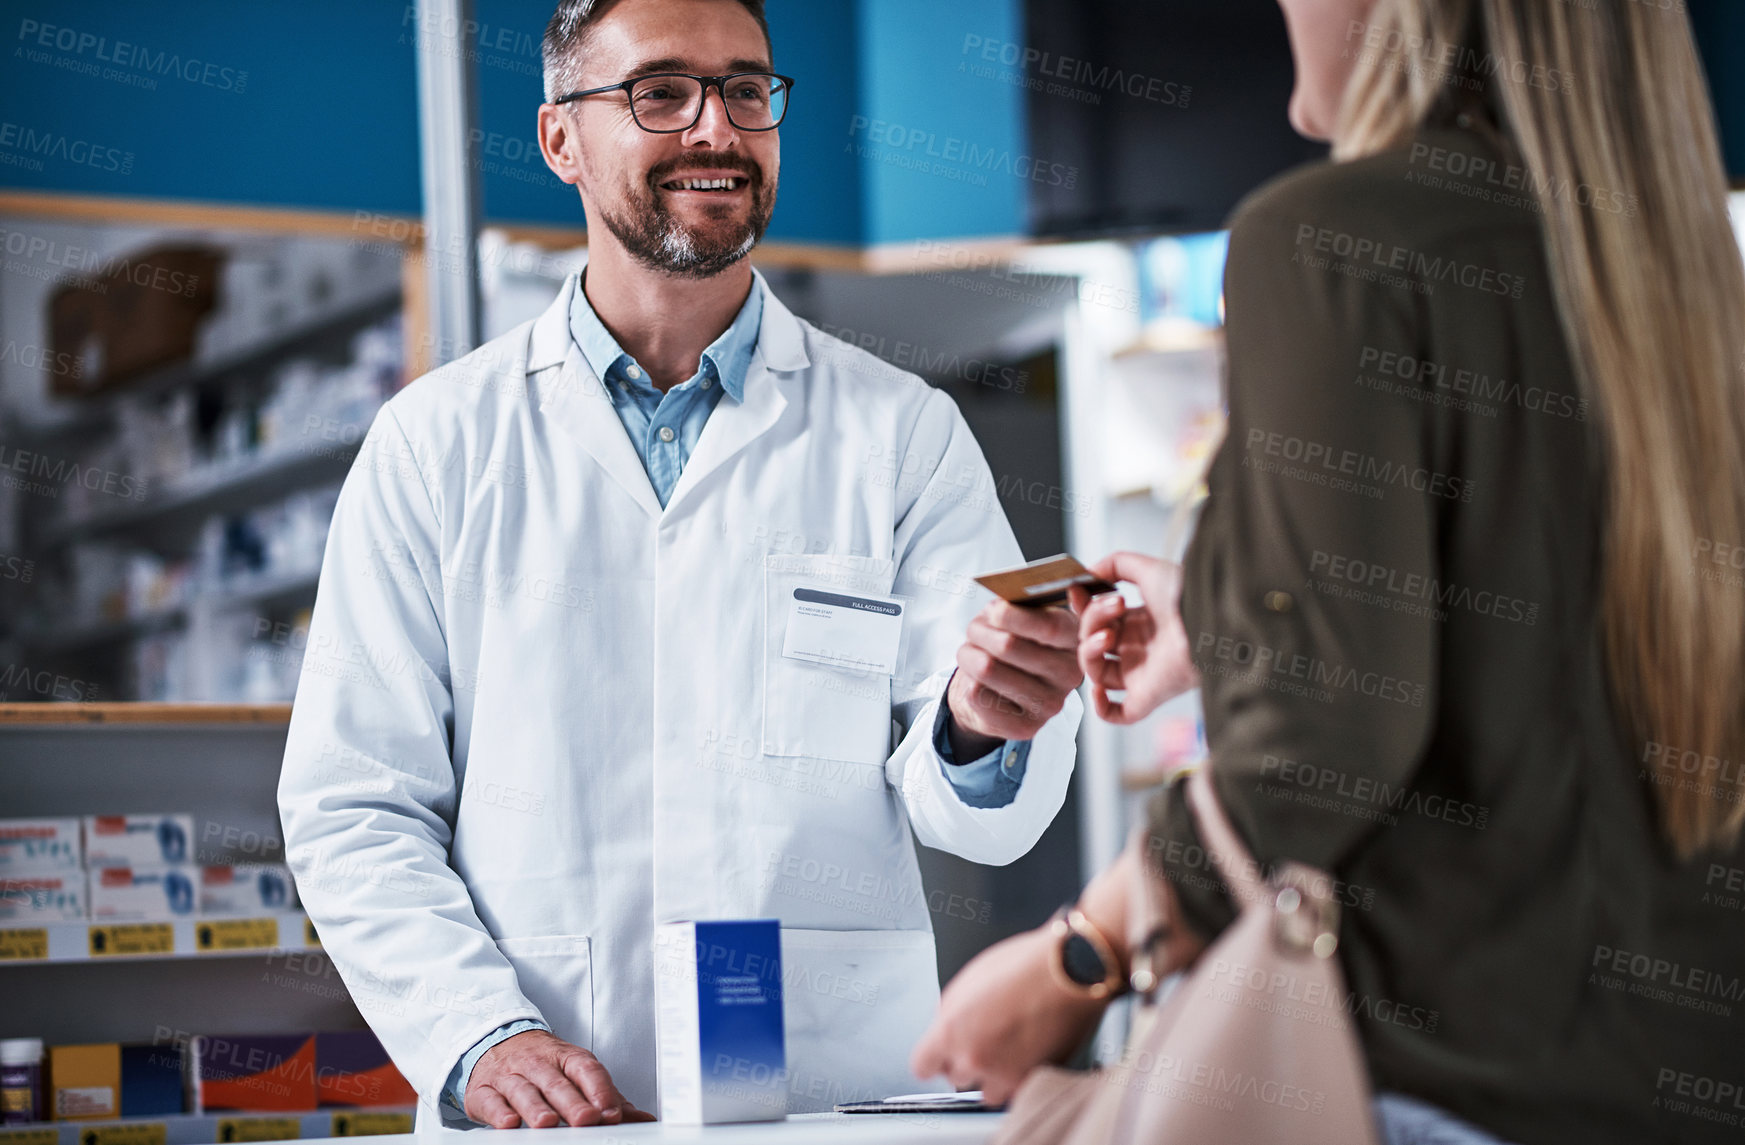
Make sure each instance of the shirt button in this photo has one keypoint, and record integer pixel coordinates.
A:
(634, 371)
(666, 433)
(707, 382)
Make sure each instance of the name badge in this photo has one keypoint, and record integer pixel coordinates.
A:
(861, 633)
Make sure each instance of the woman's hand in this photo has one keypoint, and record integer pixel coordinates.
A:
(1142, 651)
(1003, 1015)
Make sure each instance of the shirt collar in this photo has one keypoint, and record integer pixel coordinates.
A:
(729, 354)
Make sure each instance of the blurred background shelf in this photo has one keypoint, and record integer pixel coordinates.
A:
(51, 641)
(316, 335)
(174, 466)
(172, 513)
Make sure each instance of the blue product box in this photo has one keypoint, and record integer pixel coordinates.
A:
(151, 1080)
(718, 994)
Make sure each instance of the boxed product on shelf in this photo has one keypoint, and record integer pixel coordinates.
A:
(352, 1068)
(40, 845)
(151, 1080)
(253, 1073)
(85, 1082)
(137, 840)
(143, 315)
(141, 894)
(47, 896)
(246, 888)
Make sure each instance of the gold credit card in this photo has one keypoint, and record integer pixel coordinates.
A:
(1042, 583)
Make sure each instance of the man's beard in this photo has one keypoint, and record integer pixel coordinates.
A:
(658, 240)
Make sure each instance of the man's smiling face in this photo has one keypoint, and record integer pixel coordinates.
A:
(690, 203)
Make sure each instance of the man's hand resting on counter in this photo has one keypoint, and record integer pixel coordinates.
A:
(539, 1080)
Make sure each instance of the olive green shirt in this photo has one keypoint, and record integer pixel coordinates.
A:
(1393, 601)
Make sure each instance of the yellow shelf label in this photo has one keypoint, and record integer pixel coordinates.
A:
(259, 1129)
(236, 934)
(136, 1133)
(112, 939)
(310, 938)
(367, 1124)
(30, 1136)
(23, 945)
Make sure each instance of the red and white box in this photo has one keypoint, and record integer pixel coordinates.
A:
(40, 845)
(143, 894)
(46, 896)
(138, 840)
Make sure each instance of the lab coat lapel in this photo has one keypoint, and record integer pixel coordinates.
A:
(567, 392)
(775, 369)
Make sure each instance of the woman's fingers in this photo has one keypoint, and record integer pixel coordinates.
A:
(1135, 567)
(1111, 710)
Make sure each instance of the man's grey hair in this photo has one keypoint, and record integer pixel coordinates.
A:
(567, 34)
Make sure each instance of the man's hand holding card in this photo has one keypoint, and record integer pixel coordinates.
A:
(1020, 658)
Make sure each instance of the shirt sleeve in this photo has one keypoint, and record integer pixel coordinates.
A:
(948, 525)
(376, 691)
(990, 781)
(455, 1092)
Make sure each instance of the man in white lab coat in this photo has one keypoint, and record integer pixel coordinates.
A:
(657, 608)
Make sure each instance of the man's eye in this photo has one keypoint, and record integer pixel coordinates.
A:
(653, 94)
(750, 93)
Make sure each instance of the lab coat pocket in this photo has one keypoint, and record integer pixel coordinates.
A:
(556, 974)
(855, 1003)
(814, 710)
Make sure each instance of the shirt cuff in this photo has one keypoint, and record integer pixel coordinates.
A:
(988, 782)
(455, 1092)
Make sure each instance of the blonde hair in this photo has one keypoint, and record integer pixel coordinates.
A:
(1609, 94)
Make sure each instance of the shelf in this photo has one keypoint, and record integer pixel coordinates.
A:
(258, 356)
(261, 591)
(213, 1128)
(22, 944)
(266, 589)
(212, 489)
(136, 715)
(102, 632)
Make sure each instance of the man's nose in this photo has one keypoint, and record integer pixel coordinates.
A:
(712, 126)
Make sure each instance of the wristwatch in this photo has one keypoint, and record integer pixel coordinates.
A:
(1084, 961)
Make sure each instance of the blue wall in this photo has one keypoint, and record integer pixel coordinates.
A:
(313, 104)
(308, 103)
(941, 143)
(901, 127)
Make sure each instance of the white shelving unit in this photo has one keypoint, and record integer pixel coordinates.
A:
(223, 461)
(153, 982)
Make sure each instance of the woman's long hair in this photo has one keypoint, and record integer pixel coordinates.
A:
(1604, 103)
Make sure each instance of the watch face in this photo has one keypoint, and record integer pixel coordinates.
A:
(1081, 961)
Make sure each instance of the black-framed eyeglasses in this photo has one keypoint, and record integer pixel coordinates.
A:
(673, 101)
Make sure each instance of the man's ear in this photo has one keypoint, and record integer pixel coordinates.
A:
(558, 143)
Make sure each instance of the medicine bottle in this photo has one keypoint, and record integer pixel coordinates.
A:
(21, 1097)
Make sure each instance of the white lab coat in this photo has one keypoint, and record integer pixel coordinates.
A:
(539, 715)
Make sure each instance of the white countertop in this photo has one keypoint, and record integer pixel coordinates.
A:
(799, 1129)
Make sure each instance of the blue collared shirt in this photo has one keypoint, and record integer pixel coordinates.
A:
(664, 428)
